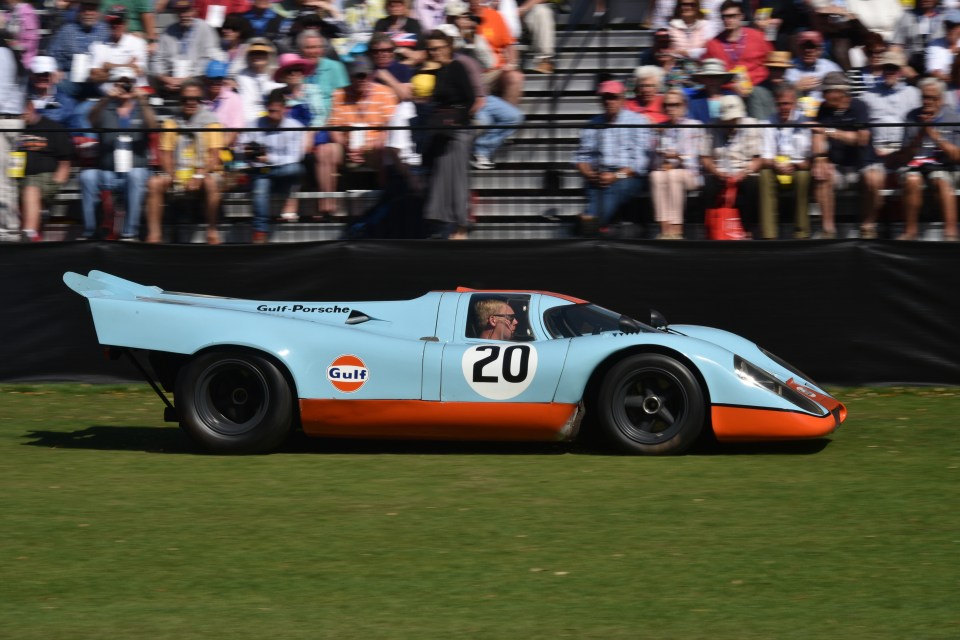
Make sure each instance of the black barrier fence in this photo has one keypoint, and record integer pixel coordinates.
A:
(842, 311)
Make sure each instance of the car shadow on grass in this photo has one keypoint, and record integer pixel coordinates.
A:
(114, 438)
(171, 440)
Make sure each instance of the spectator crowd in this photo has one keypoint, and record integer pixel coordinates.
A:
(740, 103)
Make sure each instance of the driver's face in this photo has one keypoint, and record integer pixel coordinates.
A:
(506, 322)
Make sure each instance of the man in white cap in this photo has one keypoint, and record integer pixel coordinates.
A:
(733, 155)
(122, 159)
(50, 100)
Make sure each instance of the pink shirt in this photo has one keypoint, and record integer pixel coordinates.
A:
(228, 108)
(27, 37)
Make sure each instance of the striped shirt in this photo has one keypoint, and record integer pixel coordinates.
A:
(613, 147)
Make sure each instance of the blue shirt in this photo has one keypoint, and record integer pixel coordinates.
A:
(613, 147)
(318, 88)
(72, 38)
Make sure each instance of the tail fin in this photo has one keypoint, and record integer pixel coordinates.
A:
(98, 284)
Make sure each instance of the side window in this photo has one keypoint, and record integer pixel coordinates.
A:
(499, 317)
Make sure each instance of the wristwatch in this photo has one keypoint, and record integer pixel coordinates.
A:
(620, 175)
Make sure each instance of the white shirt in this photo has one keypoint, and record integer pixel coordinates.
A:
(120, 52)
(939, 56)
(11, 91)
(793, 142)
(253, 89)
(400, 139)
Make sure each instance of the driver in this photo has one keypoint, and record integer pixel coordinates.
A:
(496, 319)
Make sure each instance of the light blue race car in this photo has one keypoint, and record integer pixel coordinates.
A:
(449, 365)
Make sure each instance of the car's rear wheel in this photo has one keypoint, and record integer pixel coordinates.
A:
(651, 404)
(234, 402)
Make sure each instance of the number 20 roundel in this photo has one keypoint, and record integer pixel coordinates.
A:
(500, 372)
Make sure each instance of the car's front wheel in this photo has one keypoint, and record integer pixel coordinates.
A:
(651, 404)
(234, 402)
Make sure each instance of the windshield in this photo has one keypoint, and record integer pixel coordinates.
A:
(570, 321)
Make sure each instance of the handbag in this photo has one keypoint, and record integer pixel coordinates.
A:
(723, 222)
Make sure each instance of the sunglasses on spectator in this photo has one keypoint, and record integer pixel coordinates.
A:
(610, 96)
(731, 16)
(186, 99)
(512, 317)
(672, 104)
(383, 50)
(359, 76)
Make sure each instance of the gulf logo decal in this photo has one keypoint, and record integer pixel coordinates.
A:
(347, 373)
(500, 372)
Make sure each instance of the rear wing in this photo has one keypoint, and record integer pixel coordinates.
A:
(98, 284)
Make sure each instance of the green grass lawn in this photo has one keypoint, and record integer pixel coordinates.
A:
(112, 527)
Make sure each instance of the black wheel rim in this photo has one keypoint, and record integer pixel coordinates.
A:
(232, 397)
(650, 406)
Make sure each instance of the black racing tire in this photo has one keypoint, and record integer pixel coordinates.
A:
(234, 402)
(650, 404)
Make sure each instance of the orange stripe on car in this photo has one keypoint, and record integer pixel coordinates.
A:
(732, 424)
(441, 420)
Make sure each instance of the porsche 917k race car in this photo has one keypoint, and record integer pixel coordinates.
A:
(449, 365)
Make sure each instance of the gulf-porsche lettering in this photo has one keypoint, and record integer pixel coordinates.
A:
(347, 373)
(302, 308)
(499, 372)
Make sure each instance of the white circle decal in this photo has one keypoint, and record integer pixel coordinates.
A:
(500, 371)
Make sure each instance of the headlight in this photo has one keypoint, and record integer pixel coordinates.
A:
(752, 374)
(789, 367)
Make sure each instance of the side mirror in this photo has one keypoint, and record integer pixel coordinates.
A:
(657, 320)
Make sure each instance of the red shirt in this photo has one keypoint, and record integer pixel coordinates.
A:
(751, 51)
(233, 6)
(653, 111)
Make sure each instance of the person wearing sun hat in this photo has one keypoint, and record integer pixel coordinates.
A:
(705, 103)
(612, 160)
(255, 80)
(760, 103)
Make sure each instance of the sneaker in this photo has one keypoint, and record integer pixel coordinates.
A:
(29, 235)
(482, 163)
(289, 216)
(259, 237)
(868, 231)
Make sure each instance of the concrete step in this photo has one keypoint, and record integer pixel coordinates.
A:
(512, 179)
(612, 40)
(546, 207)
(589, 60)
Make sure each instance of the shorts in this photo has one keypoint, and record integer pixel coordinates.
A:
(45, 182)
(932, 172)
